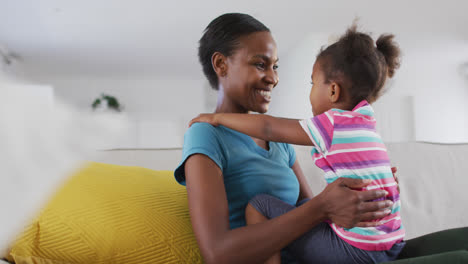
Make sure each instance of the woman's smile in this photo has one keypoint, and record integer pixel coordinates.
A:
(265, 94)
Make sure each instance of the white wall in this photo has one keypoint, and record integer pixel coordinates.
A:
(290, 98)
(426, 100)
(440, 91)
(159, 108)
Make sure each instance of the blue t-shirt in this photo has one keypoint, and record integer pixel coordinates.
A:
(247, 168)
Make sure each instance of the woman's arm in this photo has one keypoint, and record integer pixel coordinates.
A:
(253, 244)
(265, 127)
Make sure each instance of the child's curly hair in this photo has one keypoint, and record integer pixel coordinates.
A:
(358, 65)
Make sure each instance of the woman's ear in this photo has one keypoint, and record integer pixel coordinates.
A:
(219, 63)
(334, 92)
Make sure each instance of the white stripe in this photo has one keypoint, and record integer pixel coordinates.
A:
(317, 135)
(380, 186)
(358, 172)
(354, 133)
(367, 107)
(355, 150)
(391, 219)
(306, 128)
(344, 114)
(367, 241)
(330, 118)
(373, 230)
(369, 118)
(364, 171)
(330, 174)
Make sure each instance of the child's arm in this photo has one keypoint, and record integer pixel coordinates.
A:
(260, 126)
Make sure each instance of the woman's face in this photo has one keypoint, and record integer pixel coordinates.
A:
(251, 74)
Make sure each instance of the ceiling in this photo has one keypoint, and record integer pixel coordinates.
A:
(159, 38)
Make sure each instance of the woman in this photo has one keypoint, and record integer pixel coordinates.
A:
(224, 169)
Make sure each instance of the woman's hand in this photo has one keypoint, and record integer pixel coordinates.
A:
(349, 208)
(394, 170)
(205, 118)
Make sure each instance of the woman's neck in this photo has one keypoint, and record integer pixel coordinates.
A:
(226, 105)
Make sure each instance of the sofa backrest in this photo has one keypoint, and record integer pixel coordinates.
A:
(433, 179)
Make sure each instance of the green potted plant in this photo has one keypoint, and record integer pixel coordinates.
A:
(106, 101)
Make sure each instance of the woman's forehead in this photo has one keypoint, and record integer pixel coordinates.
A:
(259, 45)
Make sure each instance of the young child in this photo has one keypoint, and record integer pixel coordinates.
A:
(347, 76)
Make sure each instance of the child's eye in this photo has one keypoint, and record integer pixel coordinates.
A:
(311, 83)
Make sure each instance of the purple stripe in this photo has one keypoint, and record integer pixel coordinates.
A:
(369, 126)
(322, 131)
(392, 198)
(360, 164)
(384, 228)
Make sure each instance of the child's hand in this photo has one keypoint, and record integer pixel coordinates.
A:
(205, 118)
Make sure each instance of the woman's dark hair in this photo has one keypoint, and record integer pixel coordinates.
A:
(222, 35)
(358, 65)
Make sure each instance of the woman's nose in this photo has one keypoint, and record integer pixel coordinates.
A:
(271, 77)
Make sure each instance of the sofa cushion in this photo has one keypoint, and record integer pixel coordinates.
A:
(112, 214)
(437, 243)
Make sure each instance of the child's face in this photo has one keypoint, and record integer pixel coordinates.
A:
(319, 97)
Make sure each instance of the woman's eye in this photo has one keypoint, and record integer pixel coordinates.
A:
(311, 83)
(275, 67)
(260, 65)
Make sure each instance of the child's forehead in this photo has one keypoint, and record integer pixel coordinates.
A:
(315, 69)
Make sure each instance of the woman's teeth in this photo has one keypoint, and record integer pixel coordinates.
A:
(265, 94)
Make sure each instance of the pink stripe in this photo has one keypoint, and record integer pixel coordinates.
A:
(327, 125)
(357, 156)
(392, 190)
(392, 225)
(390, 216)
(317, 156)
(352, 118)
(373, 237)
(357, 145)
(373, 246)
(382, 181)
(360, 104)
(321, 163)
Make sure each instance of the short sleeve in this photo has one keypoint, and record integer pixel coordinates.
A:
(320, 130)
(200, 138)
(292, 154)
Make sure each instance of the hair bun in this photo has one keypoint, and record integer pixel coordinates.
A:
(390, 51)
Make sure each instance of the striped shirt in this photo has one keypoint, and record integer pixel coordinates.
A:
(347, 145)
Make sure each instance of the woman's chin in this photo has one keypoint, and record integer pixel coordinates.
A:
(262, 108)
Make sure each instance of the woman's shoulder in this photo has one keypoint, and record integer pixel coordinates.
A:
(208, 130)
(202, 130)
(203, 135)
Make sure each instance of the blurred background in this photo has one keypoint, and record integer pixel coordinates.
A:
(144, 53)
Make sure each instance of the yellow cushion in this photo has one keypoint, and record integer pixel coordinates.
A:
(112, 214)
